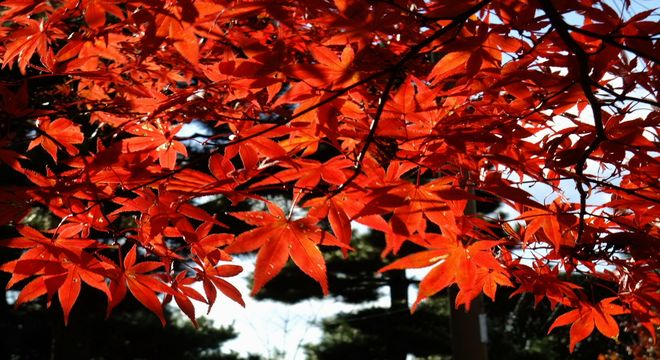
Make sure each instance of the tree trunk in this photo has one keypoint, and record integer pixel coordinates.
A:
(468, 329)
(398, 284)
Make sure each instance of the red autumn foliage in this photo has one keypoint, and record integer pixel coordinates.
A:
(392, 113)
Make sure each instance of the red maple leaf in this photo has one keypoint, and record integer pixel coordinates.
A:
(32, 38)
(61, 133)
(133, 276)
(330, 71)
(473, 268)
(183, 292)
(95, 10)
(278, 237)
(60, 264)
(157, 141)
(587, 316)
(212, 280)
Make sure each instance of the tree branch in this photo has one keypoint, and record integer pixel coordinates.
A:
(396, 68)
(607, 39)
(585, 81)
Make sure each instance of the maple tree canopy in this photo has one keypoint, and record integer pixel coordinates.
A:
(393, 114)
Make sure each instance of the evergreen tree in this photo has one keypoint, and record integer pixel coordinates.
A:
(131, 332)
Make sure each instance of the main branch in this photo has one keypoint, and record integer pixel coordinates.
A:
(585, 81)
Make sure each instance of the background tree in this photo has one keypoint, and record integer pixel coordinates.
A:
(132, 332)
(479, 95)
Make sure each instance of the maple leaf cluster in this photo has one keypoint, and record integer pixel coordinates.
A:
(394, 114)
